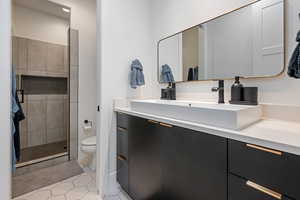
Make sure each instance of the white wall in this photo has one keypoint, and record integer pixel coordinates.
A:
(83, 18)
(29, 23)
(5, 105)
(126, 34)
(172, 16)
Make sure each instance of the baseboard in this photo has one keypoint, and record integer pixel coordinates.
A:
(112, 187)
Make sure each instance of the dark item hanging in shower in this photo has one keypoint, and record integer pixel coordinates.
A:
(19, 116)
(294, 64)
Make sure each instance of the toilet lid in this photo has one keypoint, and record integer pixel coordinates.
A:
(91, 141)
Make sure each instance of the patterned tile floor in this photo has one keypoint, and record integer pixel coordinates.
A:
(81, 187)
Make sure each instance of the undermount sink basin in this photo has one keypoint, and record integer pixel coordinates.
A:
(220, 115)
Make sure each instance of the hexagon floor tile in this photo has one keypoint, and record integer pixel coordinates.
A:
(62, 189)
(62, 197)
(81, 187)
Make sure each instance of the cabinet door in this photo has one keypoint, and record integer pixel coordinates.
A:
(245, 190)
(260, 166)
(194, 165)
(292, 177)
(122, 151)
(144, 159)
(122, 172)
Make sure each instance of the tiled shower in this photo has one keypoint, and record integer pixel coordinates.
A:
(45, 63)
(42, 71)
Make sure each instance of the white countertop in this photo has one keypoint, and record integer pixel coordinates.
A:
(271, 133)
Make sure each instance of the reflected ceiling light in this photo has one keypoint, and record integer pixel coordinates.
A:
(66, 10)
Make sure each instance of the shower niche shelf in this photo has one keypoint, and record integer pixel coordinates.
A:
(39, 85)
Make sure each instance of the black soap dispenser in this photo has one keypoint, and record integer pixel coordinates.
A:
(237, 91)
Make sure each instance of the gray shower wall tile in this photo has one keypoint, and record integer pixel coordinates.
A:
(55, 135)
(19, 53)
(74, 47)
(37, 56)
(47, 119)
(36, 123)
(73, 130)
(36, 107)
(36, 138)
(57, 118)
(73, 149)
(56, 59)
(14, 51)
(23, 135)
(74, 84)
(66, 58)
(66, 127)
(55, 113)
(73, 121)
(74, 80)
(24, 125)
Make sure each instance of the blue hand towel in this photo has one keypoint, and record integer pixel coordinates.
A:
(14, 109)
(137, 75)
(166, 74)
(294, 65)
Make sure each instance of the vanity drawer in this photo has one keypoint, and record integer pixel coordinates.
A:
(122, 120)
(122, 172)
(241, 189)
(122, 141)
(273, 169)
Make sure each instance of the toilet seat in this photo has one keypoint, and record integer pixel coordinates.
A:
(88, 145)
(91, 141)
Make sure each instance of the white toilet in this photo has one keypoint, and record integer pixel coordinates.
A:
(89, 145)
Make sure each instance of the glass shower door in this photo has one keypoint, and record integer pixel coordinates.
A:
(42, 70)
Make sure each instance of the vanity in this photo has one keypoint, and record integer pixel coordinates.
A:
(164, 157)
(193, 150)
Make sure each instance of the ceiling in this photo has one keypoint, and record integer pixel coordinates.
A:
(44, 6)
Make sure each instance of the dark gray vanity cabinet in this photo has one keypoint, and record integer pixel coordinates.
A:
(160, 161)
(172, 163)
(241, 189)
(145, 180)
(194, 165)
(122, 151)
(277, 171)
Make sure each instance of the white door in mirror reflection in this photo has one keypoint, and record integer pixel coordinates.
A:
(248, 42)
(268, 40)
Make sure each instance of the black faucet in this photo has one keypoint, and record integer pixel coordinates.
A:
(220, 89)
(169, 93)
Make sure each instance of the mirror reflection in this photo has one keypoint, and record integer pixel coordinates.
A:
(248, 42)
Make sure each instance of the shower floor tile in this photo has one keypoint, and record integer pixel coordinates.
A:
(41, 151)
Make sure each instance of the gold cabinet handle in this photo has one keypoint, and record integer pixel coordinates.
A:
(166, 125)
(279, 153)
(264, 190)
(152, 121)
(122, 158)
(122, 129)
